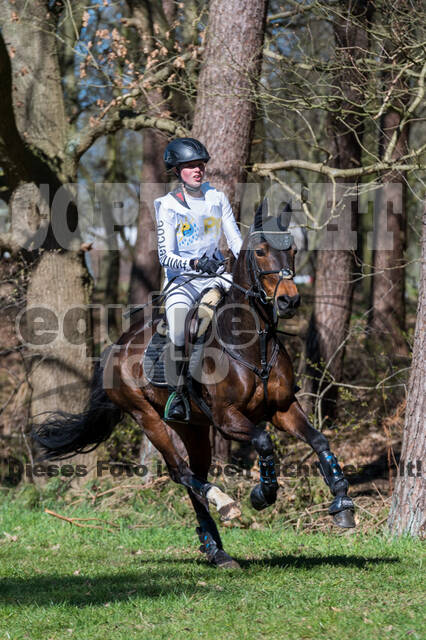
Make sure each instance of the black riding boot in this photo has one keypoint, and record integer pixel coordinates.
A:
(177, 406)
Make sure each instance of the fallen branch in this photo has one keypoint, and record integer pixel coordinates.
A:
(75, 522)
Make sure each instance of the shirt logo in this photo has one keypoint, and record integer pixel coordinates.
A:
(187, 229)
(211, 224)
(187, 232)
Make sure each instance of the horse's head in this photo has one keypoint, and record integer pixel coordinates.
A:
(271, 260)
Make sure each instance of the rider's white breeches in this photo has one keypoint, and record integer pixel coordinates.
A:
(182, 297)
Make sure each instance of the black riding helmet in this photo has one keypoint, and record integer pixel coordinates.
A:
(184, 150)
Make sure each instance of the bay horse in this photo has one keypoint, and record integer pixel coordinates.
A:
(256, 385)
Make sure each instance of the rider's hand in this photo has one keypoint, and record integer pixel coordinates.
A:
(208, 265)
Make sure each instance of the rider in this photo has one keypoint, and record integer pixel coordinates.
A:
(189, 223)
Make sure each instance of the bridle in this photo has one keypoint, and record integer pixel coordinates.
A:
(281, 240)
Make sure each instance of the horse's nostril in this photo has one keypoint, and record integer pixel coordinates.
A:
(283, 301)
(291, 302)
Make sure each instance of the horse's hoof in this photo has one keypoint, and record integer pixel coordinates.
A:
(229, 564)
(229, 511)
(258, 499)
(224, 561)
(226, 507)
(344, 519)
(342, 509)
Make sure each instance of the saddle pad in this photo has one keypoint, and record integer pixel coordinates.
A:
(153, 360)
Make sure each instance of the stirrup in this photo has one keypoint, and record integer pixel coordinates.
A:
(176, 395)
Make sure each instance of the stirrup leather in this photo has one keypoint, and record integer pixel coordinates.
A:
(181, 396)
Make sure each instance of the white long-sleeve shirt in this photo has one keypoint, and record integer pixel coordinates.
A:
(190, 228)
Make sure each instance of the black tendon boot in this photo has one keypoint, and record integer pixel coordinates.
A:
(177, 406)
(214, 551)
(342, 507)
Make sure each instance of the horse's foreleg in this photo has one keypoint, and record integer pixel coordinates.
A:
(237, 426)
(265, 493)
(295, 422)
(199, 452)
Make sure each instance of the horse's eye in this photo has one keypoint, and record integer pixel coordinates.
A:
(260, 252)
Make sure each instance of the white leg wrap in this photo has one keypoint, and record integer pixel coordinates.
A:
(226, 506)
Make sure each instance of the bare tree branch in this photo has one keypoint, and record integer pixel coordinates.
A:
(122, 120)
(265, 169)
(298, 10)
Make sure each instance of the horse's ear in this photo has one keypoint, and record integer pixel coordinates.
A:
(284, 216)
(261, 214)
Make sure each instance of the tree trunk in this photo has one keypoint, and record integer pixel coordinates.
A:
(226, 97)
(110, 261)
(37, 91)
(61, 363)
(407, 515)
(225, 106)
(335, 258)
(146, 270)
(33, 128)
(387, 317)
(329, 326)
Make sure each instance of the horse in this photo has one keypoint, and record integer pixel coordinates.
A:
(256, 385)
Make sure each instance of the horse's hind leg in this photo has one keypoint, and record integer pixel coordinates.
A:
(199, 452)
(179, 471)
(295, 421)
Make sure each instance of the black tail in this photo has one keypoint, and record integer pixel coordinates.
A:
(65, 434)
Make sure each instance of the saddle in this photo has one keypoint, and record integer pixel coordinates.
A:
(197, 323)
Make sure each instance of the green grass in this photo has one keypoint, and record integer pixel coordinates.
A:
(60, 581)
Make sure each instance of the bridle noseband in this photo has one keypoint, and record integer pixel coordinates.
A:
(279, 240)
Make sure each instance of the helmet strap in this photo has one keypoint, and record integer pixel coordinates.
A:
(189, 188)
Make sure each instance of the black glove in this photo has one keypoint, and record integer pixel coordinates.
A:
(208, 265)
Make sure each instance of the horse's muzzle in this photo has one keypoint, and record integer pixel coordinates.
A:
(287, 305)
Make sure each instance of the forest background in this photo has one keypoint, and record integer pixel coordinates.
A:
(319, 103)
